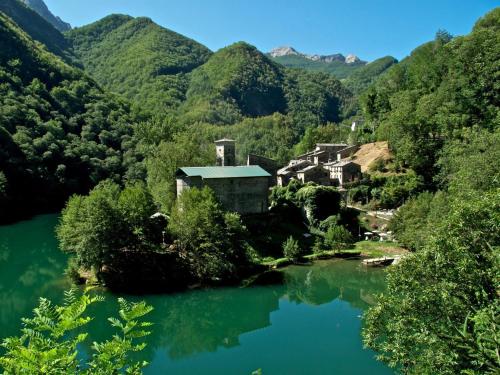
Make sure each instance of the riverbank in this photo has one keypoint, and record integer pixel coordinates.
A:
(361, 249)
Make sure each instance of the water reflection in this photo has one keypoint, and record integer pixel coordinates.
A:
(191, 323)
(313, 314)
(326, 281)
(30, 266)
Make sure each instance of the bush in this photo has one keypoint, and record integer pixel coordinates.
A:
(319, 202)
(73, 272)
(328, 222)
(378, 165)
(291, 249)
(338, 237)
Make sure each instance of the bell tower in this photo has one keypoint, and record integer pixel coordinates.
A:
(225, 151)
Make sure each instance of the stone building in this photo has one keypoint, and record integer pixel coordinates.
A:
(269, 165)
(225, 152)
(325, 165)
(343, 171)
(314, 173)
(324, 152)
(242, 189)
(285, 174)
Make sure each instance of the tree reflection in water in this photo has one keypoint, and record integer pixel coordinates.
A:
(186, 325)
(190, 323)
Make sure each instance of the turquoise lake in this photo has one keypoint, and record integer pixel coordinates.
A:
(310, 324)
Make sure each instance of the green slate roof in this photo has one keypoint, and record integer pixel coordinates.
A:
(223, 172)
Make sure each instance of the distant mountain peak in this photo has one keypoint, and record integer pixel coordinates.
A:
(288, 50)
(42, 9)
(283, 51)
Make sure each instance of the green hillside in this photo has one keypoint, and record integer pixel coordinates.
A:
(443, 90)
(239, 81)
(236, 81)
(363, 77)
(59, 132)
(138, 59)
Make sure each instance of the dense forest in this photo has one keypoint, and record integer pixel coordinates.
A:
(146, 63)
(59, 132)
(64, 129)
(110, 110)
(439, 109)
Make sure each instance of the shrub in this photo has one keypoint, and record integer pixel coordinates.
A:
(291, 249)
(378, 165)
(338, 237)
(319, 202)
(328, 222)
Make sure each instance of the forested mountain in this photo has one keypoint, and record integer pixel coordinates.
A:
(239, 81)
(37, 28)
(40, 7)
(355, 73)
(363, 77)
(59, 132)
(135, 57)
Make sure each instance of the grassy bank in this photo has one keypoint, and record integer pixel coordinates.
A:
(366, 249)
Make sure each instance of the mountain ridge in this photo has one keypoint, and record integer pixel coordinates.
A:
(288, 50)
(41, 8)
(138, 58)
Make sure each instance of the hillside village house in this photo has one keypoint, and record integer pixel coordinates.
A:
(242, 189)
(327, 164)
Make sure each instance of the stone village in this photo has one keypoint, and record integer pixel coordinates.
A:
(245, 189)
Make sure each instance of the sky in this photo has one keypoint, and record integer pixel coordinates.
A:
(367, 28)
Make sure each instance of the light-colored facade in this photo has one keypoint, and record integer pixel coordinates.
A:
(225, 150)
(343, 171)
(325, 165)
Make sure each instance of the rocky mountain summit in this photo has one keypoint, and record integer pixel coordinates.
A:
(287, 51)
(42, 9)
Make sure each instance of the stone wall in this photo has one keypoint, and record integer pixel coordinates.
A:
(246, 195)
(347, 152)
(188, 182)
(269, 165)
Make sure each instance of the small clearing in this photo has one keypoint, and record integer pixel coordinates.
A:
(370, 152)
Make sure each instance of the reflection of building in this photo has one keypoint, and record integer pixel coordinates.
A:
(226, 314)
(327, 164)
(242, 189)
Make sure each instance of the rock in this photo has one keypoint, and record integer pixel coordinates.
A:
(287, 51)
(42, 9)
(283, 51)
(351, 59)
